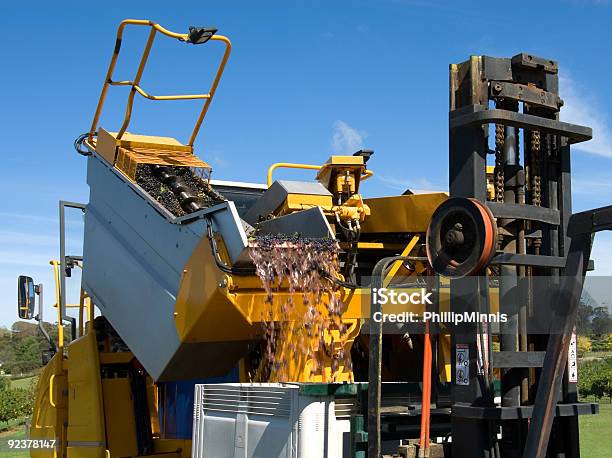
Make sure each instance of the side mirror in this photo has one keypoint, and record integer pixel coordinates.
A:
(47, 355)
(26, 297)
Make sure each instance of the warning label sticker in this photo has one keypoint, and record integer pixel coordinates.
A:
(572, 360)
(462, 364)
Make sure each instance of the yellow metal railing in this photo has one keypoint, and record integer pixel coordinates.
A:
(85, 307)
(135, 83)
(290, 165)
(60, 325)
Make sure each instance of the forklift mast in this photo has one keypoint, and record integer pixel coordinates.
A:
(517, 101)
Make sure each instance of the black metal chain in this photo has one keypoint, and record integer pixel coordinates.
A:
(535, 172)
(499, 162)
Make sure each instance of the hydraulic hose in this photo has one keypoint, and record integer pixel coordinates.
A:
(246, 271)
(78, 144)
(426, 399)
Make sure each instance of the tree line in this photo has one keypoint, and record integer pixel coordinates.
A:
(593, 327)
(21, 347)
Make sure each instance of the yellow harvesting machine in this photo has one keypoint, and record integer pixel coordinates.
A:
(186, 280)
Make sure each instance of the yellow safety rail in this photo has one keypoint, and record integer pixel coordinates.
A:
(60, 326)
(289, 165)
(135, 83)
(85, 306)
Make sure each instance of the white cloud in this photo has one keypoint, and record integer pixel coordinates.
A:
(582, 108)
(218, 160)
(345, 139)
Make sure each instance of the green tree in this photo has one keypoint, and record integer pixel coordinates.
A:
(601, 324)
(584, 345)
(583, 318)
(595, 378)
(15, 403)
(21, 346)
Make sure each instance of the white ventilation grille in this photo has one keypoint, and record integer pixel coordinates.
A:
(253, 400)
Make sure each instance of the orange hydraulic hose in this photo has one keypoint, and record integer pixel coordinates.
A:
(426, 400)
(428, 396)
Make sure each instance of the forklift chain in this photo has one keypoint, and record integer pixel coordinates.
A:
(536, 179)
(499, 162)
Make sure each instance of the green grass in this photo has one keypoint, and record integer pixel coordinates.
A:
(5, 452)
(596, 433)
(23, 382)
(596, 355)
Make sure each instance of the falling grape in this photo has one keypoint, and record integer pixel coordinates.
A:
(305, 268)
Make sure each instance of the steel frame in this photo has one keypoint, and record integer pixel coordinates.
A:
(64, 263)
(538, 237)
(476, 85)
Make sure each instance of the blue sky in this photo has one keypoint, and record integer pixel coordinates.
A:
(305, 79)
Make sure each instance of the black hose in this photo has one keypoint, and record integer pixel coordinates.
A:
(78, 144)
(220, 264)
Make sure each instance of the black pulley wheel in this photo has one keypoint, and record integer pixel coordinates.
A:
(461, 238)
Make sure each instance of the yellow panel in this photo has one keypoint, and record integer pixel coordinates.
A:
(50, 409)
(344, 160)
(201, 305)
(335, 163)
(119, 417)
(116, 357)
(403, 214)
(106, 146)
(296, 202)
(86, 436)
(107, 143)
